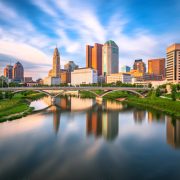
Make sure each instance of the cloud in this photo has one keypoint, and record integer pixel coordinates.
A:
(71, 25)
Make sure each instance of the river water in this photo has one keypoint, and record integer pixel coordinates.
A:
(85, 139)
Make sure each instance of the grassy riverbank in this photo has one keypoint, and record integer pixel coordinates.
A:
(17, 106)
(164, 105)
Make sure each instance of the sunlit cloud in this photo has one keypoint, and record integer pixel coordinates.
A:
(71, 25)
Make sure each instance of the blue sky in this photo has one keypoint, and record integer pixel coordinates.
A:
(30, 29)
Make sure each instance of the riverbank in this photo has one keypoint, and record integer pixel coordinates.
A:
(164, 105)
(18, 106)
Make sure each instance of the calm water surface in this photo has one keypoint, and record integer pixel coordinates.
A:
(83, 139)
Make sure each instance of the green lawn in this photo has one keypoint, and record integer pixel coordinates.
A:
(165, 105)
(17, 106)
(169, 95)
(12, 106)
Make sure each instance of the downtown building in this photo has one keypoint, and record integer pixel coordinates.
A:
(110, 58)
(94, 57)
(70, 66)
(125, 69)
(173, 63)
(156, 67)
(54, 74)
(8, 72)
(119, 77)
(139, 66)
(18, 72)
(84, 76)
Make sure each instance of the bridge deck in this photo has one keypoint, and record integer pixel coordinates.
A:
(73, 88)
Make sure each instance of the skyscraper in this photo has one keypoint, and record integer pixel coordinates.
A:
(54, 74)
(139, 65)
(70, 66)
(94, 57)
(110, 58)
(156, 66)
(125, 69)
(56, 63)
(89, 56)
(173, 63)
(18, 72)
(8, 71)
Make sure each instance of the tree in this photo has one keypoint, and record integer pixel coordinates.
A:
(158, 92)
(1, 95)
(178, 87)
(149, 85)
(173, 92)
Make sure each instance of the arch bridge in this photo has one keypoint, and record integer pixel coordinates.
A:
(56, 91)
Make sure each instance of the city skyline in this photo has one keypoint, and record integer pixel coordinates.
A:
(138, 32)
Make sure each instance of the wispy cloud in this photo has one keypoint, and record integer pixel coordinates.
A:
(71, 25)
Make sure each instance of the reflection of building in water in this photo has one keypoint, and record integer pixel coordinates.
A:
(139, 115)
(64, 103)
(81, 104)
(173, 133)
(155, 116)
(113, 105)
(47, 100)
(102, 123)
(110, 125)
(94, 123)
(56, 118)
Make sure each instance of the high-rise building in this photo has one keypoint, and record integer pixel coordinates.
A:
(125, 69)
(56, 63)
(110, 58)
(94, 57)
(139, 65)
(54, 74)
(8, 71)
(156, 66)
(18, 72)
(89, 56)
(173, 63)
(70, 66)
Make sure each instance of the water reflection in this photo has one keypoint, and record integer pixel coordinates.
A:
(102, 124)
(173, 132)
(90, 138)
(102, 120)
(156, 117)
(56, 118)
(139, 115)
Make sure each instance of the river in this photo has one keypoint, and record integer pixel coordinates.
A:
(84, 139)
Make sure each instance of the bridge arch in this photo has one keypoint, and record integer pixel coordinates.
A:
(59, 94)
(132, 91)
(97, 95)
(35, 90)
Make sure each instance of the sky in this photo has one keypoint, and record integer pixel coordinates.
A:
(31, 29)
